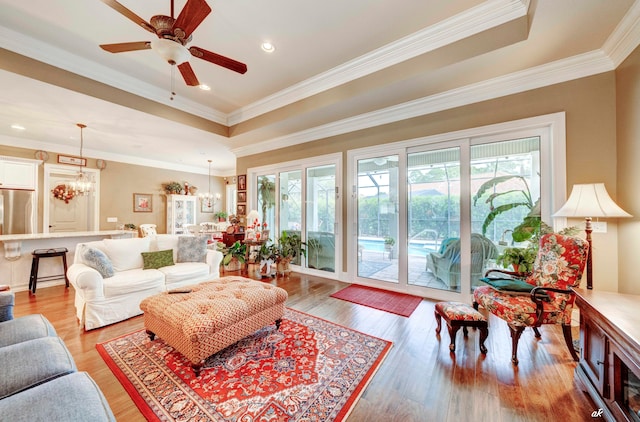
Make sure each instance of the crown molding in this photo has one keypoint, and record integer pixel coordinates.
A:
(626, 37)
(120, 158)
(485, 16)
(564, 70)
(63, 59)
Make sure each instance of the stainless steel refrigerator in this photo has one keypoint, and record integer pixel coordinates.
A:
(17, 211)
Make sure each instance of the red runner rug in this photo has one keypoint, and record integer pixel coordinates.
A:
(308, 370)
(396, 303)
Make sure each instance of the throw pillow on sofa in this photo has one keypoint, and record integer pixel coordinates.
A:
(97, 259)
(158, 259)
(192, 249)
(125, 254)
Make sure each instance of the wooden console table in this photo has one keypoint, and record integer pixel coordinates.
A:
(609, 365)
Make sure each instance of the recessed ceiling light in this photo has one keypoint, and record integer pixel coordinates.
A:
(268, 47)
(18, 127)
(204, 87)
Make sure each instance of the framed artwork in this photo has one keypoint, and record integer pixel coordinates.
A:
(242, 196)
(142, 202)
(242, 182)
(242, 209)
(74, 161)
(206, 206)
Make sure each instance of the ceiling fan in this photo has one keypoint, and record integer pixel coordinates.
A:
(173, 37)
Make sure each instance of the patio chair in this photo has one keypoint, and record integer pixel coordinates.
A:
(445, 265)
(557, 268)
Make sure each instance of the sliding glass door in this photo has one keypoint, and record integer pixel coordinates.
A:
(433, 217)
(306, 205)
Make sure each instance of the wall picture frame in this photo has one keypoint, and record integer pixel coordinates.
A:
(242, 197)
(142, 202)
(74, 161)
(242, 209)
(242, 182)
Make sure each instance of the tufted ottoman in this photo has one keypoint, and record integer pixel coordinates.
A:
(457, 315)
(212, 315)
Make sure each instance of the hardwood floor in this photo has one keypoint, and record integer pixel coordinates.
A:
(418, 381)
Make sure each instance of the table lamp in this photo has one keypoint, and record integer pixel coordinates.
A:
(588, 201)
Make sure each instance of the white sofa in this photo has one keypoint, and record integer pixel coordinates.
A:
(116, 296)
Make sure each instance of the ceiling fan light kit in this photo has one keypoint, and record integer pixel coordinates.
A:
(170, 51)
(172, 37)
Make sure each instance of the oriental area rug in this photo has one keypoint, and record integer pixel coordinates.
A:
(308, 370)
(384, 300)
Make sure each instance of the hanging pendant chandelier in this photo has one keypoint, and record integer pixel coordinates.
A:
(82, 185)
(208, 200)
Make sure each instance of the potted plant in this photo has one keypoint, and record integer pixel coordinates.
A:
(289, 249)
(520, 259)
(173, 188)
(389, 242)
(267, 256)
(221, 216)
(266, 195)
(234, 256)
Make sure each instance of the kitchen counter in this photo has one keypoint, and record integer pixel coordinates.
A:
(57, 235)
(15, 261)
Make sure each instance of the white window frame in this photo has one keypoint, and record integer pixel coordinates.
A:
(551, 129)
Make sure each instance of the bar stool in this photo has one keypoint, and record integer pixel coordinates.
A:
(47, 253)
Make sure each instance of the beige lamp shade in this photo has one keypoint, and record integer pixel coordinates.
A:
(590, 200)
(252, 216)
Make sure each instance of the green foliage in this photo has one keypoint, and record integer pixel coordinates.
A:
(173, 187)
(501, 202)
(266, 195)
(523, 258)
(237, 250)
(389, 241)
(290, 245)
(221, 214)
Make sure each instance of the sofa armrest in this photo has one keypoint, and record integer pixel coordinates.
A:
(86, 280)
(6, 306)
(214, 259)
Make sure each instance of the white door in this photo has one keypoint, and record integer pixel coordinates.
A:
(77, 214)
(66, 216)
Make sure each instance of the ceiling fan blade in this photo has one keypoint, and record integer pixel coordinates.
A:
(192, 15)
(129, 14)
(218, 59)
(126, 46)
(188, 74)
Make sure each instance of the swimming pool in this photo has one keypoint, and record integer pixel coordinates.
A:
(415, 248)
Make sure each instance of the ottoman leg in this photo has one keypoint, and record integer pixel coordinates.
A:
(439, 321)
(484, 333)
(453, 330)
(196, 369)
(151, 335)
(278, 322)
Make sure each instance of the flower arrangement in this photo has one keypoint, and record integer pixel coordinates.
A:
(62, 193)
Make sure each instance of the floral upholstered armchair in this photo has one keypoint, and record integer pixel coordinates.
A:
(558, 267)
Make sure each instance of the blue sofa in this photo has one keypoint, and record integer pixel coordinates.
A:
(40, 381)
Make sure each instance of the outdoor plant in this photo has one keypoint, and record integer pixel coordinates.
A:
(266, 195)
(500, 202)
(389, 241)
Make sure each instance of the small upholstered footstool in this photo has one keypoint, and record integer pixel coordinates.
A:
(203, 319)
(456, 315)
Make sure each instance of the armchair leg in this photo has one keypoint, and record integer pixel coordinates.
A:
(535, 330)
(566, 330)
(516, 332)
